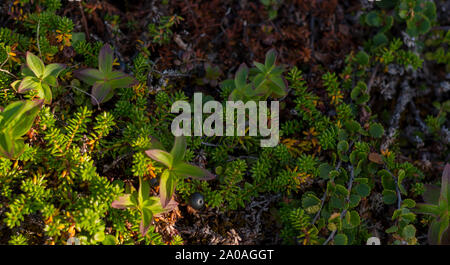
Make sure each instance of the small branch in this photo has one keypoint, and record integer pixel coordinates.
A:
(7, 58)
(322, 202)
(86, 93)
(344, 212)
(406, 95)
(84, 21)
(441, 28)
(329, 238)
(325, 193)
(417, 117)
(397, 190)
(8, 72)
(324, 197)
(209, 144)
(106, 168)
(372, 78)
(232, 158)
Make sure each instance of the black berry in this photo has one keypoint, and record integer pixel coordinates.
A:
(197, 201)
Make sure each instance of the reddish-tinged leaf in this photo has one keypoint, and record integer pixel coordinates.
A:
(122, 202)
(121, 80)
(101, 92)
(7, 144)
(171, 206)
(155, 143)
(53, 69)
(158, 210)
(445, 186)
(188, 170)
(160, 156)
(89, 75)
(146, 219)
(445, 240)
(438, 232)
(166, 188)
(105, 59)
(28, 83)
(178, 149)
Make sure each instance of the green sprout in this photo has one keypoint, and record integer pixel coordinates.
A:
(272, 7)
(38, 77)
(147, 206)
(175, 168)
(212, 74)
(104, 79)
(266, 80)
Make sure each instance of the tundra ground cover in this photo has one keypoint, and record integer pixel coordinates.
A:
(87, 151)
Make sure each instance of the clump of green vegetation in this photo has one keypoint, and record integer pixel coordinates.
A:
(147, 206)
(161, 32)
(15, 121)
(176, 168)
(338, 166)
(104, 79)
(437, 46)
(272, 7)
(266, 81)
(38, 78)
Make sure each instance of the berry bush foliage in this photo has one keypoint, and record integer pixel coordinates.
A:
(86, 150)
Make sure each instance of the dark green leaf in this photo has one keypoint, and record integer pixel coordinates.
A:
(187, 170)
(376, 130)
(271, 56)
(340, 240)
(105, 59)
(178, 149)
(160, 156)
(146, 220)
(324, 170)
(166, 187)
(89, 75)
(363, 189)
(389, 196)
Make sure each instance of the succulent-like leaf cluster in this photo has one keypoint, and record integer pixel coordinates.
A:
(266, 81)
(104, 79)
(38, 77)
(148, 206)
(175, 167)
